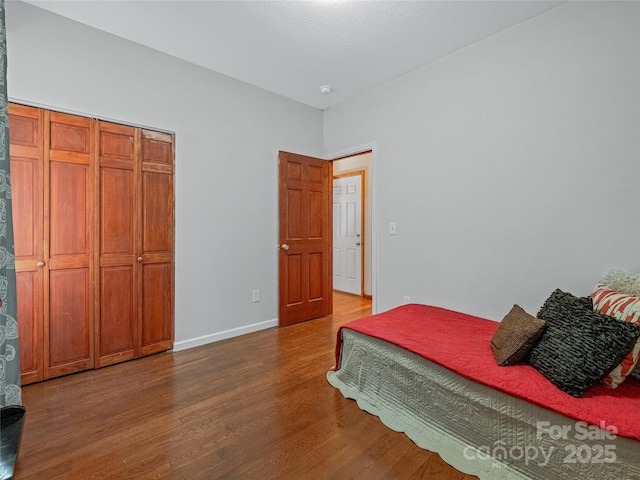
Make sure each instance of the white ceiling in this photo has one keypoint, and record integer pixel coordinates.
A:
(293, 47)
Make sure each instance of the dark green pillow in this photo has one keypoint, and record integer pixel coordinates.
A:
(579, 346)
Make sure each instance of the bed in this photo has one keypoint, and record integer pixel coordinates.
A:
(430, 373)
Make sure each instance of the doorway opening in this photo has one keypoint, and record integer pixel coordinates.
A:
(352, 252)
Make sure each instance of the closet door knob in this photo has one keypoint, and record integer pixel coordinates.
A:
(40, 264)
(139, 259)
(284, 246)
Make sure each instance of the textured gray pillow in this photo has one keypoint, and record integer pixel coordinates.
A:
(622, 281)
(515, 336)
(579, 346)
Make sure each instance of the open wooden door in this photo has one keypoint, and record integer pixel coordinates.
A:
(305, 277)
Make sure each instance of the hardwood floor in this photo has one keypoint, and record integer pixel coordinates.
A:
(252, 407)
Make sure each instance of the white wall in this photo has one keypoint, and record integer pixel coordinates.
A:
(227, 138)
(511, 167)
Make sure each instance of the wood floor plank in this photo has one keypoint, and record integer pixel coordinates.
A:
(252, 407)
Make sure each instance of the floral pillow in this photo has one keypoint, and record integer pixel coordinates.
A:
(624, 308)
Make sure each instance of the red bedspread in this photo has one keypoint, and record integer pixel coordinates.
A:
(462, 343)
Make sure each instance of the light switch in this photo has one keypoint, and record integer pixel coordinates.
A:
(392, 228)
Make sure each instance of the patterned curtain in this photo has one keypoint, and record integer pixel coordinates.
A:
(10, 392)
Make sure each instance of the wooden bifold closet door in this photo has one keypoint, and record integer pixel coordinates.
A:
(68, 233)
(26, 151)
(117, 322)
(135, 243)
(88, 293)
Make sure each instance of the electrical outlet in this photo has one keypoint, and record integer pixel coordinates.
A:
(256, 296)
(406, 299)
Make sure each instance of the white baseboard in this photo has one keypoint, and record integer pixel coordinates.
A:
(216, 337)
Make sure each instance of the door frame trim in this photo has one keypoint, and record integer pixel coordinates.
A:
(373, 174)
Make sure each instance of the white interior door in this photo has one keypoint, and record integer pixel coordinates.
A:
(347, 234)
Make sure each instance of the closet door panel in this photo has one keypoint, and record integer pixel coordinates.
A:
(25, 126)
(69, 211)
(157, 213)
(118, 327)
(26, 133)
(157, 278)
(157, 308)
(26, 185)
(117, 316)
(67, 333)
(29, 294)
(69, 138)
(117, 202)
(69, 208)
(117, 142)
(157, 149)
